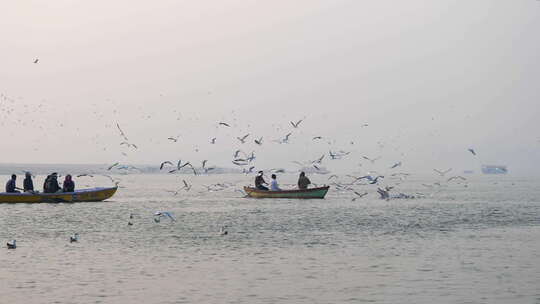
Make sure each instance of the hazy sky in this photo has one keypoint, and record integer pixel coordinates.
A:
(431, 78)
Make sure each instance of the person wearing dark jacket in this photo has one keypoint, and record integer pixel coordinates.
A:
(68, 185)
(28, 184)
(51, 184)
(259, 181)
(11, 184)
(303, 181)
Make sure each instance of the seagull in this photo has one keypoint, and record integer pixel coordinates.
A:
(186, 185)
(395, 165)
(472, 151)
(285, 140)
(315, 166)
(251, 157)
(74, 238)
(359, 195)
(295, 125)
(316, 137)
(222, 231)
(213, 141)
(159, 214)
(243, 138)
(175, 139)
(371, 160)
(112, 166)
(85, 174)
(36, 60)
(122, 132)
(442, 173)
(376, 179)
(456, 177)
(13, 244)
(258, 141)
(204, 163)
(165, 163)
(224, 124)
(319, 160)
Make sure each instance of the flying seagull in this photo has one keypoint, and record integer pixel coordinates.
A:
(442, 173)
(224, 124)
(295, 125)
(165, 163)
(370, 159)
(456, 177)
(395, 165)
(472, 151)
(213, 140)
(175, 139)
(359, 195)
(112, 166)
(36, 60)
(258, 141)
(159, 214)
(243, 138)
(316, 137)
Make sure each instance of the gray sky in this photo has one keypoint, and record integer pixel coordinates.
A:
(431, 78)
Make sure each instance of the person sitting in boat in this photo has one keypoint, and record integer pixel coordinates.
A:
(68, 185)
(303, 181)
(51, 184)
(11, 185)
(28, 184)
(259, 181)
(273, 184)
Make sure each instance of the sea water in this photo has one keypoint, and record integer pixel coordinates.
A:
(474, 242)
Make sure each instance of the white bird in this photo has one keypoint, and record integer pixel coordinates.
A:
(243, 138)
(74, 238)
(224, 124)
(258, 141)
(442, 173)
(359, 195)
(395, 165)
(36, 60)
(295, 125)
(165, 163)
(213, 140)
(159, 214)
(12, 245)
(222, 231)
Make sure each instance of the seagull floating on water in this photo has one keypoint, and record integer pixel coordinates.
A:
(74, 238)
(222, 231)
(12, 245)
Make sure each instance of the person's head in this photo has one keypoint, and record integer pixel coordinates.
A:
(13, 176)
(274, 176)
(28, 174)
(260, 173)
(302, 174)
(54, 175)
(68, 177)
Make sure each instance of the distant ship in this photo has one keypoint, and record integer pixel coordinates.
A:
(490, 169)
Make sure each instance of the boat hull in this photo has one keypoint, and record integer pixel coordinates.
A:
(83, 195)
(313, 193)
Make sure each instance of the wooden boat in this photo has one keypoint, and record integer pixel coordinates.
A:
(304, 193)
(83, 195)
